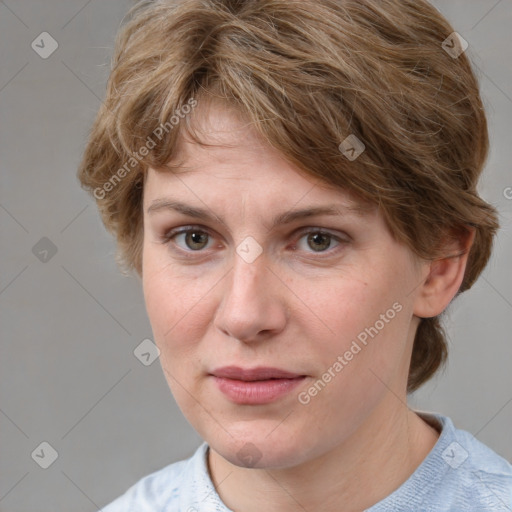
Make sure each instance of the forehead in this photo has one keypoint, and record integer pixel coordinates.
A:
(232, 159)
(220, 134)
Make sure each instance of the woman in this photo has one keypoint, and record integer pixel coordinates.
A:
(295, 183)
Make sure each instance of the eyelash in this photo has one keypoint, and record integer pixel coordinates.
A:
(169, 236)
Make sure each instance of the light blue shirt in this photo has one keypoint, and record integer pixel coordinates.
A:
(460, 474)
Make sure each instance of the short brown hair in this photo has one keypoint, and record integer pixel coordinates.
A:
(306, 74)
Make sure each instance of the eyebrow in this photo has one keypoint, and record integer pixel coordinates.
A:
(286, 217)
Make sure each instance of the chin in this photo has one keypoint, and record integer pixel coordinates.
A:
(257, 449)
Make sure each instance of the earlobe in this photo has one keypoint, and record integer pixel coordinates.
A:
(444, 276)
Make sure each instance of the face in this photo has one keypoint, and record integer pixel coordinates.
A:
(240, 290)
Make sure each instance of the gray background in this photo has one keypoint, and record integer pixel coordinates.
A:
(69, 325)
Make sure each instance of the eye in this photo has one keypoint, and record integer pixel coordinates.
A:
(188, 239)
(192, 239)
(319, 241)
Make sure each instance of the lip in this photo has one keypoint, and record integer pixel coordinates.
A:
(251, 374)
(255, 386)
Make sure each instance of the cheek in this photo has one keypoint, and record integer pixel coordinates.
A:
(357, 364)
(179, 308)
(174, 308)
(175, 312)
(351, 306)
(368, 323)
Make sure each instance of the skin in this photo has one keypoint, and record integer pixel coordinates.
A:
(295, 307)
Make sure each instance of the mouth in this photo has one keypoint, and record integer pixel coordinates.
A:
(256, 386)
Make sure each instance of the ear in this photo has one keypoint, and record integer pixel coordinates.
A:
(443, 276)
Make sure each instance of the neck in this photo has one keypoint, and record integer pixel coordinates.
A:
(358, 473)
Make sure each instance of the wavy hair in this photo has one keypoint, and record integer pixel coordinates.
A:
(306, 74)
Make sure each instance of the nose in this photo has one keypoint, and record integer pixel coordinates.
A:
(253, 306)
